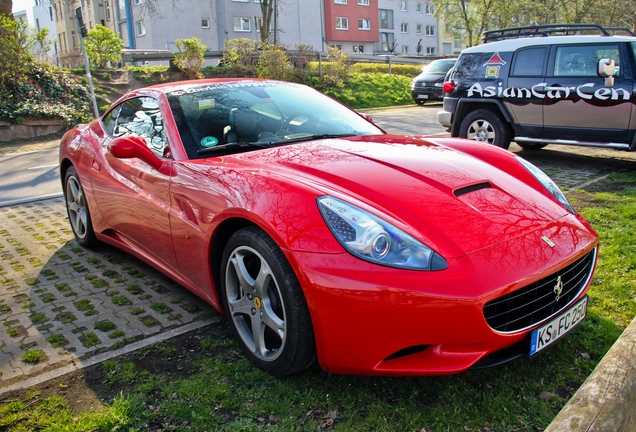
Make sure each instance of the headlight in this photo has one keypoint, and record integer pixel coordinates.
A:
(439, 84)
(547, 183)
(370, 238)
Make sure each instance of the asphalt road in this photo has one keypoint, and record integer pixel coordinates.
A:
(29, 175)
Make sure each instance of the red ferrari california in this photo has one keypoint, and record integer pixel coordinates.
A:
(323, 238)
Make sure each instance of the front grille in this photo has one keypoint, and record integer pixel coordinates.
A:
(533, 303)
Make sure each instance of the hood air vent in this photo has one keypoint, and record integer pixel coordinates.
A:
(472, 188)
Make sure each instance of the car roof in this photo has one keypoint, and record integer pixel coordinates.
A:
(514, 44)
(171, 86)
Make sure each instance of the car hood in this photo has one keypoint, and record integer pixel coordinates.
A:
(454, 202)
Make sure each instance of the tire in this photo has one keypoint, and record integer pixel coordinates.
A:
(77, 209)
(531, 146)
(265, 305)
(486, 126)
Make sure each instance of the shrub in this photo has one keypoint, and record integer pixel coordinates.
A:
(241, 52)
(189, 58)
(103, 46)
(273, 63)
(337, 68)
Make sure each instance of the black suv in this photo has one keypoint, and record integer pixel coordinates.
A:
(428, 84)
(540, 85)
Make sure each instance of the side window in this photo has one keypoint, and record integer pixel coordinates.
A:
(529, 62)
(582, 60)
(110, 120)
(142, 117)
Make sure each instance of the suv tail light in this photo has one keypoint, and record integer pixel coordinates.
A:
(449, 87)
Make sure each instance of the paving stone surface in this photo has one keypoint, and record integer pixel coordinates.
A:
(61, 303)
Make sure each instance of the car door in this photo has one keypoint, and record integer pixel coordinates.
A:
(132, 196)
(523, 99)
(578, 104)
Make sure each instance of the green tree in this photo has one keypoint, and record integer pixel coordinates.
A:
(337, 67)
(189, 58)
(103, 46)
(40, 43)
(13, 50)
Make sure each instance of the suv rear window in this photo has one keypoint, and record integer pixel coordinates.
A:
(529, 62)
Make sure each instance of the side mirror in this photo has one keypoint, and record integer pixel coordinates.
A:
(606, 68)
(367, 117)
(128, 147)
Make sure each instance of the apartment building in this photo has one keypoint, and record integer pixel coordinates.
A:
(405, 27)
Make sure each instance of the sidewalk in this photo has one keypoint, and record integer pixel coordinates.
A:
(66, 304)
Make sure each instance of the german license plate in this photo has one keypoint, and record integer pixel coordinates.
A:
(552, 331)
(422, 96)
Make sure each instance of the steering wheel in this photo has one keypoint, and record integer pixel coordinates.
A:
(289, 119)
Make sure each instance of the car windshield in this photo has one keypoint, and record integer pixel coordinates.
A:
(222, 116)
(438, 67)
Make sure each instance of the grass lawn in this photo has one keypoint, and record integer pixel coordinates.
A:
(200, 382)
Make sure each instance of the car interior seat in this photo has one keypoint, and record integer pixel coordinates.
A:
(242, 127)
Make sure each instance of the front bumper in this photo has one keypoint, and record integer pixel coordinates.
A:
(375, 320)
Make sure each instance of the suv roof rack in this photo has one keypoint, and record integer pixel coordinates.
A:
(550, 30)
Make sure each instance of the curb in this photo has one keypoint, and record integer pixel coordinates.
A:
(606, 401)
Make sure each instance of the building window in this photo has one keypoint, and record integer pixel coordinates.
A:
(363, 2)
(404, 6)
(51, 13)
(137, 2)
(242, 24)
(405, 49)
(430, 50)
(340, 1)
(205, 23)
(141, 28)
(259, 23)
(88, 3)
(386, 18)
(430, 30)
(404, 27)
(337, 46)
(107, 11)
(429, 9)
(457, 43)
(342, 23)
(387, 41)
(364, 24)
(358, 49)
(418, 7)
(241, 1)
(74, 39)
(419, 29)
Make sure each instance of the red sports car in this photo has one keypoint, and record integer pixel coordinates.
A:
(322, 237)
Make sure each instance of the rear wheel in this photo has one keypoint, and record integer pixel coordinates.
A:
(265, 305)
(485, 126)
(78, 214)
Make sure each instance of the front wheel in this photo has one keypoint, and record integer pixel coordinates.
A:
(77, 208)
(265, 305)
(485, 126)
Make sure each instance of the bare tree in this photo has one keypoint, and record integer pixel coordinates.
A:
(267, 9)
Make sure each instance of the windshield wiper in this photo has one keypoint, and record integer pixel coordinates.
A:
(312, 137)
(230, 146)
